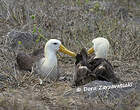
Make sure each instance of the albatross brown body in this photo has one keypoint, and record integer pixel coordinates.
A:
(89, 69)
(25, 62)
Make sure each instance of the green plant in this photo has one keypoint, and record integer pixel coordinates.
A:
(37, 30)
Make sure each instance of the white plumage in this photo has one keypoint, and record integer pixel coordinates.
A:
(47, 66)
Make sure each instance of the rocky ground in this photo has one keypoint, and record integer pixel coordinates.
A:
(27, 25)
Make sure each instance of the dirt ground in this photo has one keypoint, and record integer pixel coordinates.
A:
(71, 22)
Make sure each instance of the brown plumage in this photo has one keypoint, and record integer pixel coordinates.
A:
(90, 68)
(25, 62)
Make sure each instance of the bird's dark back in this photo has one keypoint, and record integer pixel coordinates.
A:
(100, 67)
(103, 70)
(24, 62)
(82, 57)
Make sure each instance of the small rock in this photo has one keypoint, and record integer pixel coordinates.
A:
(110, 94)
(63, 78)
(107, 90)
(25, 39)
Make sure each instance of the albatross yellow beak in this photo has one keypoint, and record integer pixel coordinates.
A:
(66, 51)
(91, 50)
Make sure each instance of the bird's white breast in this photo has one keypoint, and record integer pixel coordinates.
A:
(48, 68)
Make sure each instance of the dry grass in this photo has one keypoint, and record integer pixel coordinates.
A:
(75, 23)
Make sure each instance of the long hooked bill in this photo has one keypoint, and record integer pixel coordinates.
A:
(91, 50)
(66, 51)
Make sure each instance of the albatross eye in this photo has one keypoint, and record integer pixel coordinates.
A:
(55, 43)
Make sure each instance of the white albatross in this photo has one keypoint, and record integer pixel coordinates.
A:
(46, 66)
(100, 47)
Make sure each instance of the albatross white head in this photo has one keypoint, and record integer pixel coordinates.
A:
(48, 64)
(54, 45)
(100, 47)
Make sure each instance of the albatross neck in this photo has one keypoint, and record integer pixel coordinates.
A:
(50, 55)
(100, 55)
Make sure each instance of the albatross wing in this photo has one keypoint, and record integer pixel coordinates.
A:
(89, 69)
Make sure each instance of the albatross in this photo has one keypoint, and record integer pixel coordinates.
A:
(94, 68)
(46, 66)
